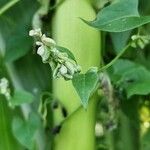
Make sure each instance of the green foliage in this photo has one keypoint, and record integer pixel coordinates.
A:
(14, 26)
(134, 78)
(120, 39)
(145, 141)
(7, 141)
(21, 97)
(85, 85)
(25, 131)
(120, 16)
(130, 75)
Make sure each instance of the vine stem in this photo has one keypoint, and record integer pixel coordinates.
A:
(101, 69)
(7, 6)
(115, 59)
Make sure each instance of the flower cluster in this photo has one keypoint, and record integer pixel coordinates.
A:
(4, 88)
(60, 62)
(140, 41)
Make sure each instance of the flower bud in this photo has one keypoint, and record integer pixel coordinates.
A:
(48, 41)
(63, 70)
(41, 51)
(4, 88)
(35, 32)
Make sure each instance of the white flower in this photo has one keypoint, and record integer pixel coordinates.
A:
(48, 41)
(140, 41)
(35, 32)
(39, 43)
(61, 64)
(44, 53)
(134, 37)
(4, 88)
(63, 70)
(41, 51)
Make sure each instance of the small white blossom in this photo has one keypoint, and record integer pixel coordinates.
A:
(40, 51)
(63, 70)
(44, 53)
(61, 64)
(140, 41)
(36, 33)
(48, 41)
(99, 130)
(39, 43)
(4, 88)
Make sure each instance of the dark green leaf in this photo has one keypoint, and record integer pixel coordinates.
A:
(85, 84)
(15, 25)
(141, 81)
(134, 78)
(21, 97)
(24, 131)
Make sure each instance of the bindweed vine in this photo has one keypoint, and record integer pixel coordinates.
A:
(61, 64)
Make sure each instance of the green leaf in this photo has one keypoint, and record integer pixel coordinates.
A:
(21, 97)
(117, 10)
(121, 16)
(14, 26)
(141, 81)
(85, 85)
(120, 39)
(145, 141)
(120, 25)
(65, 50)
(134, 78)
(24, 131)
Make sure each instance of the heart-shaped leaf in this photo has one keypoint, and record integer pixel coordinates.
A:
(85, 84)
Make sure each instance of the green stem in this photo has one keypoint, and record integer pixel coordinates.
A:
(115, 59)
(8, 6)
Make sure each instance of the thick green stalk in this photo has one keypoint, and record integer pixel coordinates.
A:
(77, 133)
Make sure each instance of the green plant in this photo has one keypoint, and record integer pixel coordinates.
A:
(89, 89)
